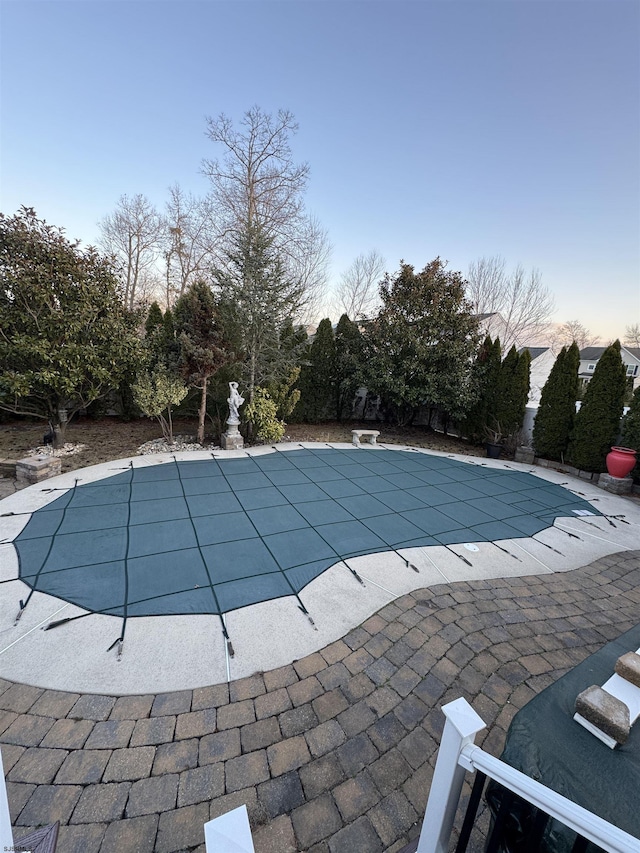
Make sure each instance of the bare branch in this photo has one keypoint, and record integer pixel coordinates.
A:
(520, 298)
(257, 184)
(632, 335)
(133, 234)
(572, 330)
(257, 188)
(357, 294)
(190, 240)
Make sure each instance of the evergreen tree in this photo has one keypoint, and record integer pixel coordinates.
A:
(65, 339)
(557, 410)
(631, 428)
(523, 386)
(631, 423)
(158, 385)
(160, 341)
(284, 390)
(485, 378)
(154, 319)
(203, 349)
(512, 394)
(317, 377)
(293, 340)
(256, 298)
(348, 365)
(598, 420)
(421, 345)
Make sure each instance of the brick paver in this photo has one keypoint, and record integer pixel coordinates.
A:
(334, 752)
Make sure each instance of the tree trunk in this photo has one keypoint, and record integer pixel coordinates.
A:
(59, 425)
(202, 411)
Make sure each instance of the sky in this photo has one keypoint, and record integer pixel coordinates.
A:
(431, 128)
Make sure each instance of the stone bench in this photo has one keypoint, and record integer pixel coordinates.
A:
(369, 434)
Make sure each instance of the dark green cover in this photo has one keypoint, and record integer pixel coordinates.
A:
(546, 743)
(218, 534)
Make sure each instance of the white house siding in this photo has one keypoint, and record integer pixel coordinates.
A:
(540, 369)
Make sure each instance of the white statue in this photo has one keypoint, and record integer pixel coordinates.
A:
(234, 401)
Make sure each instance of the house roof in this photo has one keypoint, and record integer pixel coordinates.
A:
(592, 353)
(534, 352)
(486, 316)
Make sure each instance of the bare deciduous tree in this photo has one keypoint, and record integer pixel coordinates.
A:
(257, 184)
(258, 189)
(519, 297)
(189, 241)
(309, 265)
(133, 234)
(572, 330)
(632, 335)
(357, 294)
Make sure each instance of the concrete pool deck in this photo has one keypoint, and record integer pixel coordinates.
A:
(181, 652)
(332, 750)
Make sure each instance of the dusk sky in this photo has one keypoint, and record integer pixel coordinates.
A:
(431, 128)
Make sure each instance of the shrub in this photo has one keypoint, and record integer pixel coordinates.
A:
(262, 414)
(155, 393)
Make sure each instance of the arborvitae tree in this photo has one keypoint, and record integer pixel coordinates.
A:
(631, 428)
(348, 365)
(485, 378)
(159, 386)
(203, 349)
(492, 384)
(317, 377)
(631, 423)
(293, 340)
(557, 409)
(513, 393)
(523, 386)
(283, 390)
(598, 421)
(154, 319)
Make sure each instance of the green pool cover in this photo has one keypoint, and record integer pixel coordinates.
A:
(215, 535)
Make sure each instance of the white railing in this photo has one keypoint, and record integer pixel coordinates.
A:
(458, 754)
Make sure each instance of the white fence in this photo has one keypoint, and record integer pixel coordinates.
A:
(459, 754)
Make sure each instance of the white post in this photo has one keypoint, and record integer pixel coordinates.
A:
(229, 833)
(6, 835)
(461, 726)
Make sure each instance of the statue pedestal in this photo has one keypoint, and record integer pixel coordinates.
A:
(231, 439)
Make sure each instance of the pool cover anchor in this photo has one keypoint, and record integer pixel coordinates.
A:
(410, 565)
(306, 612)
(505, 551)
(459, 556)
(20, 612)
(119, 643)
(354, 573)
(227, 638)
(571, 535)
(550, 547)
(617, 518)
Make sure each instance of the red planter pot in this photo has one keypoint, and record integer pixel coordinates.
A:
(620, 461)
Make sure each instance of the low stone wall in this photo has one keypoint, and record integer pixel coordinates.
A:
(34, 469)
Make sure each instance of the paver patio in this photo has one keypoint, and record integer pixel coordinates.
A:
(333, 753)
